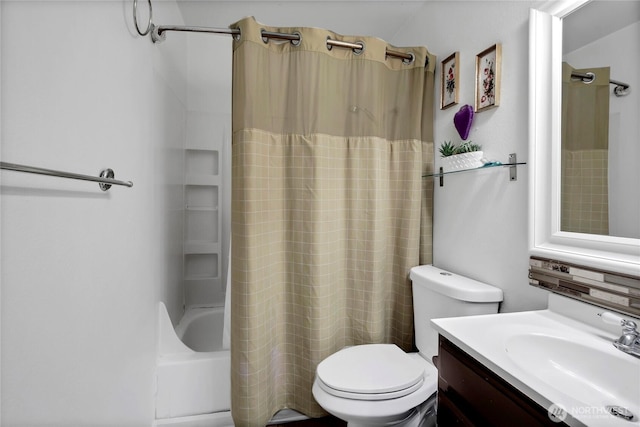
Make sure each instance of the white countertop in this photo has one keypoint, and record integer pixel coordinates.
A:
(490, 340)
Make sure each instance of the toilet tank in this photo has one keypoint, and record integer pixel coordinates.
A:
(438, 293)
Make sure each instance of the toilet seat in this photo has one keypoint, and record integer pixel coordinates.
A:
(391, 410)
(370, 372)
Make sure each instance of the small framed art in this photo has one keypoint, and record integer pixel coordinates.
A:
(488, 70)
(450, 81)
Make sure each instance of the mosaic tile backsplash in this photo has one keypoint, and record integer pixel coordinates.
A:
(617, 291)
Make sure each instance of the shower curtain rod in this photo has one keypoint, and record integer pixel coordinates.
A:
(621, 88)
(158, 35)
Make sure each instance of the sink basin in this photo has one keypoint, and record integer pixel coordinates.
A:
(559, 357)
(587, 371)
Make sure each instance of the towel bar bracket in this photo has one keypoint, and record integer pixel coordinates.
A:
(106, 173)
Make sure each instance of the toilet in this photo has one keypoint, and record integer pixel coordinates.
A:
(380, 384)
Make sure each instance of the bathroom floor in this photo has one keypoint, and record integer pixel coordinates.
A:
(316, 422)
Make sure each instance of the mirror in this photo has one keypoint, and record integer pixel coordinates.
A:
(618, 252)
(600, 151)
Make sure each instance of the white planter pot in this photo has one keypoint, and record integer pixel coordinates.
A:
(462, 161)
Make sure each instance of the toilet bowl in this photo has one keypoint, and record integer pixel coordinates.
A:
(376, 384)
(380, 384)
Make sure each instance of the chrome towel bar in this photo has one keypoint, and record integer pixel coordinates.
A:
(105, 179)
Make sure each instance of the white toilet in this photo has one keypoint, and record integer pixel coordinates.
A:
(381, 385)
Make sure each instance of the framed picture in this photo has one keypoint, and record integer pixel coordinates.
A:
(450, 81)
(488, 65)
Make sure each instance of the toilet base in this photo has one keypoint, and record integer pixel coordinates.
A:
(422, 416)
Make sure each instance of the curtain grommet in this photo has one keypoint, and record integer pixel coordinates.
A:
(298, 41)
(409, 61)
(265, 39)
(359, 51)
(237, 36)
(591, 77)
(329, 46)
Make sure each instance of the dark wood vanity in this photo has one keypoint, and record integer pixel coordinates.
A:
(469, 394)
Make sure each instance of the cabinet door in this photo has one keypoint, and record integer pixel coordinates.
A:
(450, 415)
(469, 394)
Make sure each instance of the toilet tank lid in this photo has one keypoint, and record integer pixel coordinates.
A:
(453, 285)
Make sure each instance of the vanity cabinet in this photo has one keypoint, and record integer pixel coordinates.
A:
(469, 394)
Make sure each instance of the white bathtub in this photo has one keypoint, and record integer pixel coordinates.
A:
(201, 328)
(193, 371)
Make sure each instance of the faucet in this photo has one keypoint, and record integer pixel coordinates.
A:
(629, 341)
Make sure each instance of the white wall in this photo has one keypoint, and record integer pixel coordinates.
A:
(480, 218)
(619, 51)
(83, 270)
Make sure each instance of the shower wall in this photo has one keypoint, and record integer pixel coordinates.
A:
(83, 271)
(208, 169)
(585, 191)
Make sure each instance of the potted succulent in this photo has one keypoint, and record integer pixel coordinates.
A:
(464, 156)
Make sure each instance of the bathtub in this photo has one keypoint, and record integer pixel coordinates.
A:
(193, 370)
(200, 329)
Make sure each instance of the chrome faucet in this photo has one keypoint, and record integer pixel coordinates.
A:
(629, 341)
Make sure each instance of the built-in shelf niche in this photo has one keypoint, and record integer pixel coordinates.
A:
(202, 217)
(202, 278)
(201, 197)
(202, 226)
(205, 205)
(201, 266)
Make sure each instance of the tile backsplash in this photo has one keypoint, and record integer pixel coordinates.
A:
(616, 291)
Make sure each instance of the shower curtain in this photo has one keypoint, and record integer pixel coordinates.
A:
(585, 152)
(329, 207)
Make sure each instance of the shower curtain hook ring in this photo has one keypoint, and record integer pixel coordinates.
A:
(150, 25)
(298, 41)
(591, 76)
(409, 61)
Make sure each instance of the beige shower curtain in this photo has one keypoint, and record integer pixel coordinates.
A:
(329, 207)
(585, 151)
